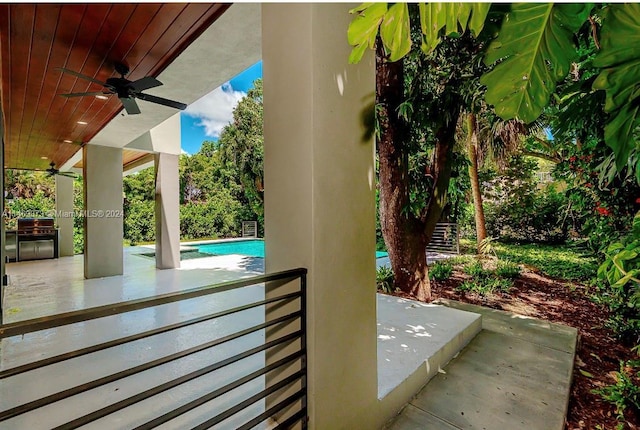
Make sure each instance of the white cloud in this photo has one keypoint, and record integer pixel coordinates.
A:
(215, 110)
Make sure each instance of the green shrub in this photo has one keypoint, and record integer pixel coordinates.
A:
(440, 271)
(467, 286)
(38, 205)
(486, 285)
(507, 269)
(476, 270)
(624, 394)
(460, 260)
(78, 240)
(601, 199)
(535, 216)
(139, 221)
(384, 279)
(217, 217)
(486, 281)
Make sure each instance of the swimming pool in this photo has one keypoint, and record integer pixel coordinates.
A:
(252, 248)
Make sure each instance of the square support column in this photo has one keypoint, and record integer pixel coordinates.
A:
(64, 215)
(320, 201)
(167, 211)
(103, 228)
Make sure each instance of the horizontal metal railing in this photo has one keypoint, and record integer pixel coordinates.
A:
(293, 299)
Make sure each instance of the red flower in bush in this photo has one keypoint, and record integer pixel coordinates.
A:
(638, 200)
(602, 210)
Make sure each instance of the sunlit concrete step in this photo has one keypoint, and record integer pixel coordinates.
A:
(416, 340)
(515, 374)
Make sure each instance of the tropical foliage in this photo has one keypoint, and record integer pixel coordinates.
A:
(535, 216)
(221, 185)
(242, 150)
(418, 109)
(525, 75)
(621, 272)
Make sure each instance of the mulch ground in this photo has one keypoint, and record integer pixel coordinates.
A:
(599, 352)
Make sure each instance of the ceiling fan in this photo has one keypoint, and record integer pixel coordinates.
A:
(52, 171)
(126, 90)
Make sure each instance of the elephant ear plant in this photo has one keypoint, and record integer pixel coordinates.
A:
(621, 271)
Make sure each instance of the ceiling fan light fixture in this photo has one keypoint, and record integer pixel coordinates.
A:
(126, 90)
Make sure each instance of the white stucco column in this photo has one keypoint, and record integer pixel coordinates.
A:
(167, 205)
(103, 228)
(64, 215)
(320, 200)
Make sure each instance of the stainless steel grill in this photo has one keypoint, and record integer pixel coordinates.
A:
(37, 238)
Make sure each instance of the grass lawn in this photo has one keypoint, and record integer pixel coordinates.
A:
(555, 261)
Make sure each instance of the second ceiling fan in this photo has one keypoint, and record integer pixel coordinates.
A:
(126, 90)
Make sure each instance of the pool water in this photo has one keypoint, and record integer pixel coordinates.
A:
(252, 248)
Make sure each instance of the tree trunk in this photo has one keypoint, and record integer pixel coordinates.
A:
(402, 232)
(472, 145)
(441, 170)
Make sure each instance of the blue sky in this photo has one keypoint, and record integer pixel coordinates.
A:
(205, 118)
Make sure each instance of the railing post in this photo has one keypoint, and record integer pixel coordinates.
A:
(303, 347)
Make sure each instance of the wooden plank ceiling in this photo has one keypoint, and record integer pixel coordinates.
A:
(40, 126)
(129, 157)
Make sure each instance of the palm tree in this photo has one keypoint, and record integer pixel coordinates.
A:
(488, 137)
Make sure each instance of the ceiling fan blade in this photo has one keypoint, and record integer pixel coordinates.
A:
(161, 101)
(68, 174)
(130, 105)
(145, 83)
(80, 75)
(96, 93)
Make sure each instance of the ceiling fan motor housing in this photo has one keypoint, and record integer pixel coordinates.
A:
(122, 69)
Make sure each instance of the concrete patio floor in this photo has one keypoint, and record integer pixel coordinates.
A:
(516, 374)
(54, 286)
(414, 339)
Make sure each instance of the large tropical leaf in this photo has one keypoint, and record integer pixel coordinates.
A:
(619, 58)
(363, 29)
(394, 31)
(535, 49)
(454, 18)
(436, 19)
